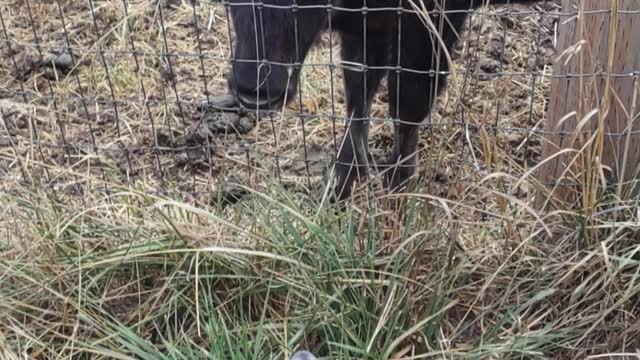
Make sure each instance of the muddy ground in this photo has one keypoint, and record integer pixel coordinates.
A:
(115, 111)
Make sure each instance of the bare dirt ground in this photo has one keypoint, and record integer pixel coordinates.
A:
(89, 135)
(107, 117)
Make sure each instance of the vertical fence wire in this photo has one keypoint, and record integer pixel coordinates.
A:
(145, 96)
(172, 79)
(23, 95)
(169, 57)
(332, 75)
(534, 77)
(298, 67)
(203, 75)
(36, 39)
(105, 66)
(264, 62)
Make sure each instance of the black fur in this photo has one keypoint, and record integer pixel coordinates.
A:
(271, 31)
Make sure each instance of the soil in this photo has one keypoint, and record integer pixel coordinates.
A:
(109, 94)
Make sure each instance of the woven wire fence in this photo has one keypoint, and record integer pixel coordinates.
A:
(101, 96)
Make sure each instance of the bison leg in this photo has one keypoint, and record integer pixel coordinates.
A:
(361, 84)
(411, 93)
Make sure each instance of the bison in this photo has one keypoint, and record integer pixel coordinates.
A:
(378, 38)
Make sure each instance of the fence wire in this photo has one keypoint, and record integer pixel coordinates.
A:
(100, 96)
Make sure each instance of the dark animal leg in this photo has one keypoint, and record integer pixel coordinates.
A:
(411, 96)
(352, 155)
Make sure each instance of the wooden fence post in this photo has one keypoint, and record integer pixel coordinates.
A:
(594, 104)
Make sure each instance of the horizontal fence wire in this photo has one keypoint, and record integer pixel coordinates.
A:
(127, 87)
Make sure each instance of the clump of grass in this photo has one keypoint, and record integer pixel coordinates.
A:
(153, 278)
(118, 271)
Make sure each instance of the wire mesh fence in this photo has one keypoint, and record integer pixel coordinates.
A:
(101, 96)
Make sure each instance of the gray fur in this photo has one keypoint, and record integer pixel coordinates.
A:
(303, 355)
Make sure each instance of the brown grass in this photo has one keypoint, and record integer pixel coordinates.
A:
(486, 101)
(481, 139)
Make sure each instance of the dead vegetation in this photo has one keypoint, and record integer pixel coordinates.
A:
(100, 105)
(129, 84)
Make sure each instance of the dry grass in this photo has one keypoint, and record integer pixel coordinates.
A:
(115, 250)
(469, 99)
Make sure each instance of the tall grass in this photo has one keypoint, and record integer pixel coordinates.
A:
(150, 278)
(474, 273)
